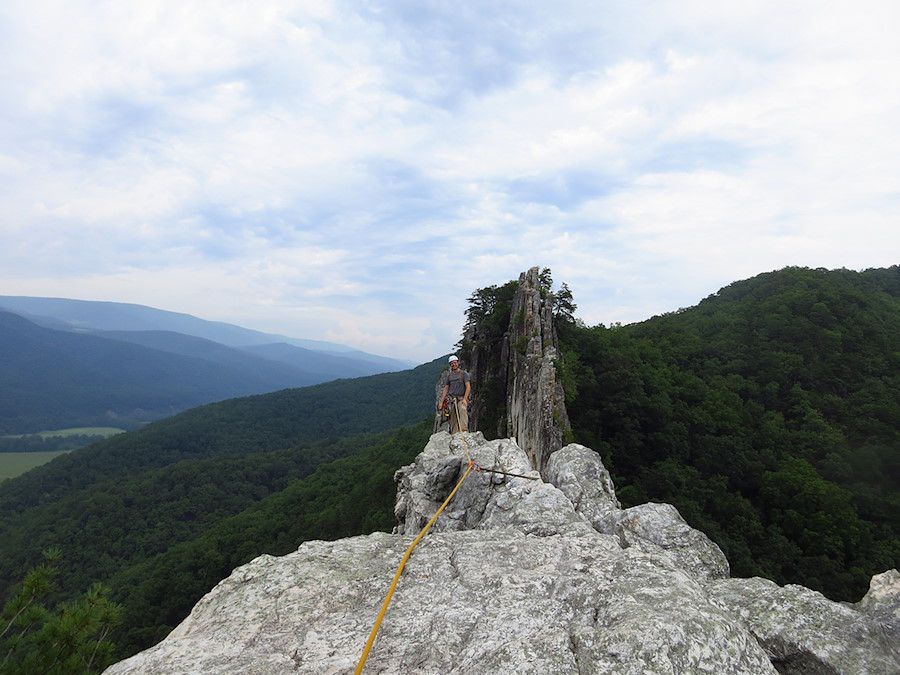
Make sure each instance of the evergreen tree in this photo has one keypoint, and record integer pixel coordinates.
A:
(71, 640)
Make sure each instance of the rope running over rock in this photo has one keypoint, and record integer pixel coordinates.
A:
(390, 593)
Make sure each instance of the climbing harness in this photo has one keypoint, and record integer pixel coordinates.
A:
(451, 406)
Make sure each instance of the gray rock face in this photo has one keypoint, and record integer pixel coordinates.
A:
(520, 576)
(882, 602)
(521, 371)
(535, 401)
(485, 500)
(660, 529)
(804, 632)
(579, 473)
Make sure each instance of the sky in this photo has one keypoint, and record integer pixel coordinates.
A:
(351, 171)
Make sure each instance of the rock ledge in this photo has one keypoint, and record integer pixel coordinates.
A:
(522, 576)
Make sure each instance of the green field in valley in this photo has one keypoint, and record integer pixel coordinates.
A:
(13, 464)
(21, 459)
(82, 431)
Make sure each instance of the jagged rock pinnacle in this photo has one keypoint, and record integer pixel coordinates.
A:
(520, 366)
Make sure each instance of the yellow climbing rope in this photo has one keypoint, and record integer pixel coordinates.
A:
(390, 593)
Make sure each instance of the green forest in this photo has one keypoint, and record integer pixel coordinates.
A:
(160, 515)
(768, 414)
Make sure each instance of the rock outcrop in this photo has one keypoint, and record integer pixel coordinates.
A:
(517, 369)
(535, 401)
(519, 575)
(883, 601)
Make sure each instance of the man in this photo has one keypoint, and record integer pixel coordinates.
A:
(458, 388)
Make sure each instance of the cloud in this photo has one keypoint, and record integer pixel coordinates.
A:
(356, 169)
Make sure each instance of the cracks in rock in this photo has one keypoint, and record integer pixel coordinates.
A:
(454, 567)
(573, 648)
(619, 532)
(297, 658)
(802, 662)
(792, 659)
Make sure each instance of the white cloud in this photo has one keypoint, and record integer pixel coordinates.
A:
(356, 170)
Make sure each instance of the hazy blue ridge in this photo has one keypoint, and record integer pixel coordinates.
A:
(66, 377)
(89, 315)
(56, 379)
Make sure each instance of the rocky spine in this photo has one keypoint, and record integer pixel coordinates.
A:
(544, 574)
(522, 575)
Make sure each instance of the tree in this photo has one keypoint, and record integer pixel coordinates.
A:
(546, 281)
(783, 393)
(70, 640)
(564, 306)
(489, 309)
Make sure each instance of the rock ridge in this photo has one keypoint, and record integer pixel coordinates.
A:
(524, 575)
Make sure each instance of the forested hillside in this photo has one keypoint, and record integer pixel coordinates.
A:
(128, 502)
(769, 414)
(351, 495)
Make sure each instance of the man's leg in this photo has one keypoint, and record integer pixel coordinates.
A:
(463, 416)
(454, 419)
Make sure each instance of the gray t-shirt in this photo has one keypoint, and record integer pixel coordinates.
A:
(457, 382)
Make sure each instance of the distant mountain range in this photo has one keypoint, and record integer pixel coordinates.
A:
(81, 363)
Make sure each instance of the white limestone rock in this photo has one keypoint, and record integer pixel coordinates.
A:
(519, 576)
(882, 603)
(475, 602)
(579, 472)
(802, 631)
(658, 529)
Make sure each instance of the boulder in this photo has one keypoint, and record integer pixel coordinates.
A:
(802, 631)
(882, 603)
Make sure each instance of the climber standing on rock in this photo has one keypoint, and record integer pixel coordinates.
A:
(456, 396)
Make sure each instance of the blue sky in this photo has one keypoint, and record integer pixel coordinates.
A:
(352, 171)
